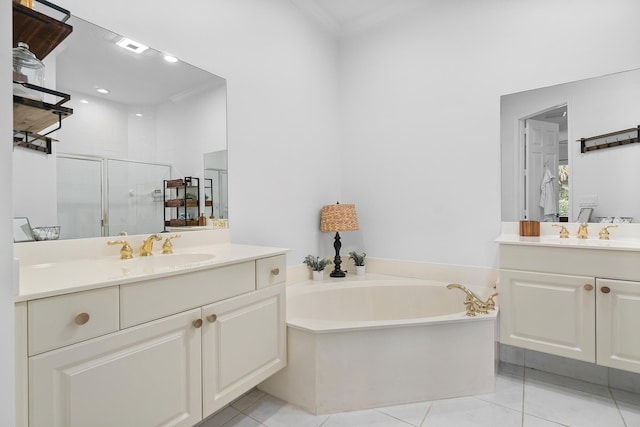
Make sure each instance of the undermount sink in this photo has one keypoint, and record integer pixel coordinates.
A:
(159, 263)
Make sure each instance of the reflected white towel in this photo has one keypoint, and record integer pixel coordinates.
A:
(548, 194)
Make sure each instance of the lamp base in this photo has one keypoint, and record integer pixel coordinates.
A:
(337, 273)
(337, 261)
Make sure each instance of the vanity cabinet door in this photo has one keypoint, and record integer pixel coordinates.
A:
(243, 343)
(145, 376)
(552, 313)
(618, 314)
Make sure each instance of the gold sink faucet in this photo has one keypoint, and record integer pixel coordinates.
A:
(604, 233)
(126, 252)
(564, 233)
(147, 245)
(167, 247)
(582, 231)
(473, 303)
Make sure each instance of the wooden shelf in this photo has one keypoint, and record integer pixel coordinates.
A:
(608, 140)
(33, 116)
(41, 32)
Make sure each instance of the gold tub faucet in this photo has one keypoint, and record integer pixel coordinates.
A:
(473, 303)
(147, 245)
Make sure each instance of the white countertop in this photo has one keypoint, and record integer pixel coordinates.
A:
(626, 237)
(60, 267)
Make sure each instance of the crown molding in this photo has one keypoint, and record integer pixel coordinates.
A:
(319, 15)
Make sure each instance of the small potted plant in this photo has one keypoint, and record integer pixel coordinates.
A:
(317, 265)
(358, 260)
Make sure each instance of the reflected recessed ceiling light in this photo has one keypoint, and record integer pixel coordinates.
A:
(84, 101)
(170, 58)
(131, 45)
(138, 114)
(101, 90)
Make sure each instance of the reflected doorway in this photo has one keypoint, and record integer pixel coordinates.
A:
(545, 165)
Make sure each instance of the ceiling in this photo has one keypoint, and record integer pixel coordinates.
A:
(89, 58)
(345, 17)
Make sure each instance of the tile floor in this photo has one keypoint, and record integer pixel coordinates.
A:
(523, 397)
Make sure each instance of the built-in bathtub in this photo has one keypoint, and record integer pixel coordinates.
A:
(373, 343)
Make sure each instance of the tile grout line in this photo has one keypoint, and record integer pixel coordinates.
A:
(615, 401)
(524, 379)
(425, 415)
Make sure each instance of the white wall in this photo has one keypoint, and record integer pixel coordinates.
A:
(189, 127)
(7, 290)
(421, 112)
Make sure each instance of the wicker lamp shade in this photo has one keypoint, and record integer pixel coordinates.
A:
(335, 218)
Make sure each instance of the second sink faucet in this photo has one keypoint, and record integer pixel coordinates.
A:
(147, 245)
(582, 231)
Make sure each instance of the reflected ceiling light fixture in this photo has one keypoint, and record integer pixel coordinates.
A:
(102, 90)
(132, 45)
(336, 218)
(84, 101)
(138, 114)
(171, 59)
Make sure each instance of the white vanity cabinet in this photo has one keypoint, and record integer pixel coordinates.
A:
(243, 343)
(618, 314)
(551, 313)
(167, 351)
(556, 300)
(149, 375)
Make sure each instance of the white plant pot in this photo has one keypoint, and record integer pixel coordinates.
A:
(360, 270)
(318, 275)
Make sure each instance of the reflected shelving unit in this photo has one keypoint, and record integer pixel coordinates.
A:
(208, 197)
(30, 117)
(181, 204)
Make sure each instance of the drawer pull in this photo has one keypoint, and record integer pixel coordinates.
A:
(212, 318)
(605, 289)
(81, 318)
(197, 323)
(275, 271)
(588, 287)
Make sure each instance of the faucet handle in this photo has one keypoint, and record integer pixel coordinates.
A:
(604, 233)
(564, 233)
(126, 252)
(491, 304)
(167, 246)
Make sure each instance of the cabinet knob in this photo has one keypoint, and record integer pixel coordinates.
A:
(275, 271)
(588, 287)
(197, 323)
(605, 289)
(81, 318)
(212, 318)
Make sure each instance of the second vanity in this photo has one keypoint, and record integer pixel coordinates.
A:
(159, 340)
(577, 298)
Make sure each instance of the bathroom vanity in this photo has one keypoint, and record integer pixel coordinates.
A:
(159, 340)
(577, 298)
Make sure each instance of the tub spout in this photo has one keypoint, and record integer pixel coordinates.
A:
(472, 302)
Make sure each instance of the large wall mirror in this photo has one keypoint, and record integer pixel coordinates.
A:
(545, 174)
(160, 119)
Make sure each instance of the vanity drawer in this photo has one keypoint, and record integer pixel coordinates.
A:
(271, 271)
(67, 319)
(152, 299)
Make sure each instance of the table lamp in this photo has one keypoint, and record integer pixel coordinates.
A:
(336, 218)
